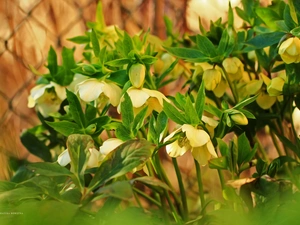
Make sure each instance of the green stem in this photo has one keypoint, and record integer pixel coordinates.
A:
(144, 195)
(261, 149)
(200, 186)
(232, 88)
(182, 189)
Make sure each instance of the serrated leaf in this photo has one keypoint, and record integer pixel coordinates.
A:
(269, 16)
(80, 39)
(222, 147)
(119, 189)
(123, 133)
(75, 109)
(122, 160)
(35, 146)
(190, 112)
(139, 119)
(200, 100)
(219, 163)
(127, 111)
(173, 113)
(118, 62)
(265, 40)
(52, 61)
(78, 147)
(187, 53)
(161, 123)
(95, 43)
(49, 169)
(66, 128)
(206, 46)
(127, 44)
(243, 149)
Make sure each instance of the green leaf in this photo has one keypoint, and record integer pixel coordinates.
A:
(90, 112)
(68, 64)
(219, 163)
(139, 119)
(290, 23)
(49, 169)
(75, 109)
(127, 44)
(243, 149)
(296, 32)
(35, 146)
(265, 40)
(123, 133)
(124, 159)
(161, 123)
(190, 112)
(100, 123)
(118, 189)
(173, 113)
(52, 61)
(95, 43)
(118, 62)
(6, 185)
(277, 163)
(120, 77)
(187, 53)
(152, 181)
(245, 102)
(200, 100)
(80, 39)
(127, 111)
(206, 46)
(213, 110)
(261, 167)
(148, 60)
(223, 147)
(19, 194)
(78, 147)
(66, 128)
(269, 16)
(99, 16)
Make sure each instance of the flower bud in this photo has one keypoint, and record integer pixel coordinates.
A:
(234, 68)
(289, 50)
(137, 74)
(276, 86)
(237, 117)
(211, 78)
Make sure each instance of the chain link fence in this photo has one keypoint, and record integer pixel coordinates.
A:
(28, 29)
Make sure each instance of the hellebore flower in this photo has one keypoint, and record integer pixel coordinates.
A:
(47, 98)
(137, 74)
(234, 68)
(211, 78)
(276, 85)
(109, 145)
(289, 50)
(91, 89)
(93, 161)
(237, 117)
(143, 97)
(193, 139)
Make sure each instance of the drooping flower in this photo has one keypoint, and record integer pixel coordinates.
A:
(276, 86)
(234, 68)
(109, 145)
(289, 50)
(91, 89)
(211, 78)
(93, 161)
(137, 74)
(47, 98)
(143, 97)
(191, 139)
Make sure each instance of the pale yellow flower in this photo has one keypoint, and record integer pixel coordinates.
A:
(276, 86)
(137, 74)
(91, 89)
(193, 139)
(237, 117)
(289, 50)
(234, 68)
(93, 161)
(211, 78)
(47, 98)
(143, 97)
(109, 145)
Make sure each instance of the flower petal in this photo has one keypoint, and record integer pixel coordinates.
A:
(113, 92)
(196, 137)
(64, 158)
(174, 150)
(109, 145)
(201, 154)
(89, 90)
(138, 97)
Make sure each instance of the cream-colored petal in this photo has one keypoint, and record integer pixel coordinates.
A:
(93, 158)
(31, 102)
(265, 101)
(210, 121)
(113, 92)
(195, 136)
(172, 134)
(64, 158)
(201, 154)
(39, 90)
(89, 90)
(110, 145)
(60, 91)
(46, 108)
(138, 97)
(285, 45)
(211, 149)
(156, 94)
(174, 150)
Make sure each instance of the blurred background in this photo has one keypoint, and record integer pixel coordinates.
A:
(29, 27)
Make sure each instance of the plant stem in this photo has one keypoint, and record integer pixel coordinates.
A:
(232, 87)
(181, 188)
(261, 149)
(144, 195)
(200, 186)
